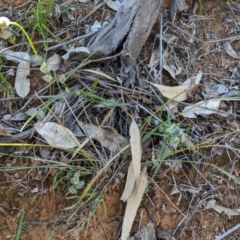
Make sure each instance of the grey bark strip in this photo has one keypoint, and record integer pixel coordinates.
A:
(129, 29)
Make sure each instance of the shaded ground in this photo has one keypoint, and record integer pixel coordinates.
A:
(172, 195)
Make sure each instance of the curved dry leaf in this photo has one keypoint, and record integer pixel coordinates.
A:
(100, 73)
(198, 77)
(188, 112)
(169, 69)
(208, 107)
(154, 60)
(132, 205)
(136, 149)
(56, 135)
(177, 93)
(172, 68)
(106, 136)
(202, 108)
(3, 133)
(19, 117)
(74, 50)
(193, 80)
(53, 62)
(22, 83)
(220, 209)
(215, 91)
(230, 51)
(130, 182)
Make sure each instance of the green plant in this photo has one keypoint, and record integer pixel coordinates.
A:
(201, 7)
(76, 183)
(41, 15)
(5, 86)
(4, 24)
(171, 134)
(20, 225)
(51, 236)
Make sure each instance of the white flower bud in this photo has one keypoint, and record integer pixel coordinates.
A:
(4, 22)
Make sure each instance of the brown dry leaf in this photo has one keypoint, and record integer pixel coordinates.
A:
(106, 136)
(136, 149)
(22, 82)
(130, 182)
(178, 93)
(154, 60)
(132, 205)
(56, 135)
(3, 133)
(107, 117)
(100, 73)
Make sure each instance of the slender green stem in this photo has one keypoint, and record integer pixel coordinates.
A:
(29, 40)
(20, 226)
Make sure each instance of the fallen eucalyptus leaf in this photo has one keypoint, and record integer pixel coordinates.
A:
(56, 135)
(74, 50)
(106, 136)
(215, 91)
(154, 60)
(177, 93)
(230, 51)
(136, 149)
(172, 68)
(22, 83)
(129, 185)
(202, 108)
(193, 80)
(133, 203)
(228, 211)
(100, 73)
(19, 117)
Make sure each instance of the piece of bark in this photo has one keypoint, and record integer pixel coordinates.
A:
(112, 35)
(127, 31)
(146, 17)
(175, 6)
(145, 233)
